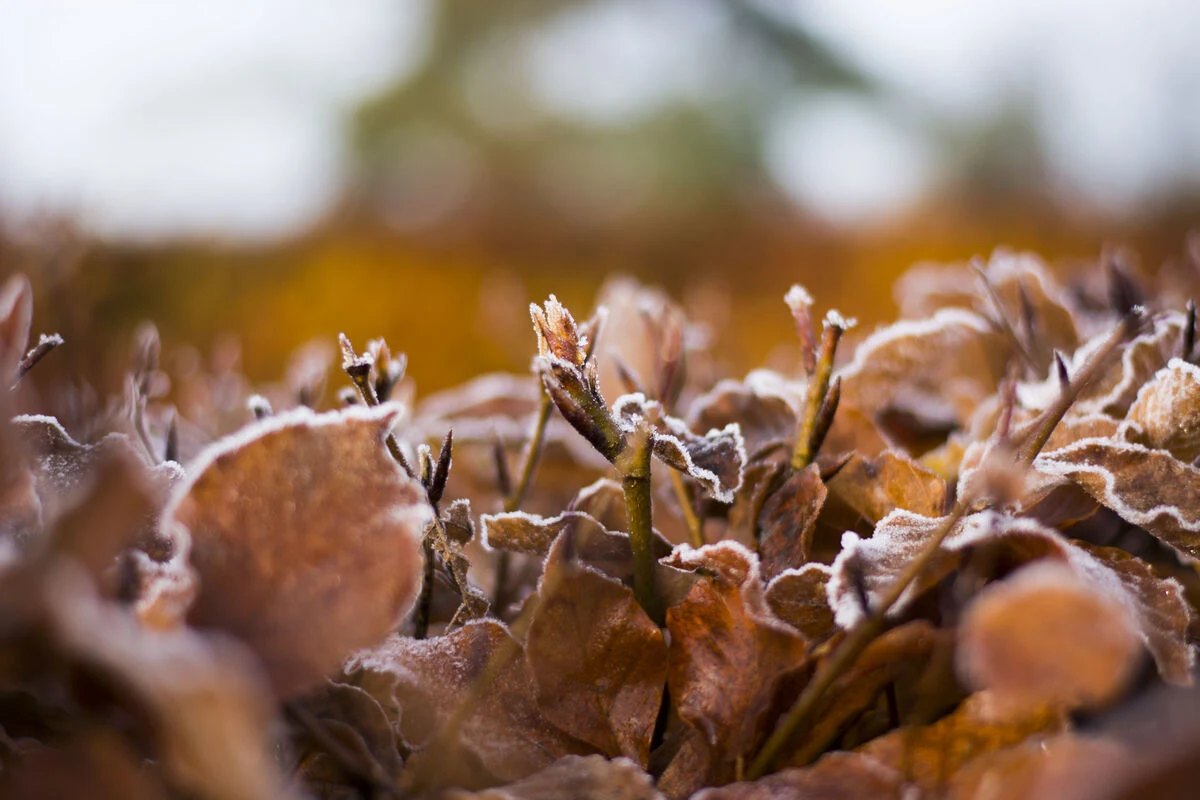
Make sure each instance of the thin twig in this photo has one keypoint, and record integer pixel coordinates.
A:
(694, 525)
(818, 388)
(856, 641)
(40, 350)
(529, 460)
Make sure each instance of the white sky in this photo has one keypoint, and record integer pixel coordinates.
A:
(163, 117)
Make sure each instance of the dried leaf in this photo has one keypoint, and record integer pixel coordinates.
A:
(729, 663)
(798, 597)
(578, 777)
(355, 715)
(97, 765)
(603, 501)
(1148, 488)
(788, 519)
(837, 776)
(1044, 637)
(1115, 389)
(938, 369)
(422, 682)
(202, 697)
(930, 756)
(1053, 768)
(322, 557)
(598, 661)
(764, 417)
(880, 664)
(1163, 613)
(1167, 410)
(875, 487)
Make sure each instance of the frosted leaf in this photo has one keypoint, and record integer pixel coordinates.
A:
(844, 776)
(422, 682)
(1167, 410)
(763, 417)
(1114, 389)
(788, 519)
(873, 488)
(328, 502)
(798, 597)
(558, 336)
(522, 532)
(1148, 488)
(935, 369)
(714, 460)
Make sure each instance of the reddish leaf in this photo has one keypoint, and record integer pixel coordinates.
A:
(597, 659)
(798, 597)
(788, 519)
(321, 557)
(873, 488)
(728, 663)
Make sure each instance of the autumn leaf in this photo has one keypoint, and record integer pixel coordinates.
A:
(578, 777)
(788, 519)
(837, 776)
(798, 597)
(1148, 488)
(1167, 411)
(1053, 768)
(321, 557)
(931, 755)
(599, 663)
(873, 488)
(1043, 637)
(422, 684)
(728, 662)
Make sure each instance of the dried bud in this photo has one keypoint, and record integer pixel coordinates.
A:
(800, 302)
(558, 335)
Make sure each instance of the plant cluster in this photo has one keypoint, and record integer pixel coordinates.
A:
(955, 558)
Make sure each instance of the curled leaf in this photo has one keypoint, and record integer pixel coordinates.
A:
(788, 519)
(1167, 410)
(798, 597)
(322, 557)
(1148, 488)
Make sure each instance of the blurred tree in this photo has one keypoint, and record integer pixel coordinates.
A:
(600, 115)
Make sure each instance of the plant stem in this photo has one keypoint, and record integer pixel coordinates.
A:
(634, 466)
(425, 597)
(818, 387)
(529, 460)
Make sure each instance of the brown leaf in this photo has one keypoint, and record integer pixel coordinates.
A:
(93, 765)
(322, 557)
(788, 519)
(1053, 768)
(875, 487)
(729, 661)
(764, 418)
(1116, 388)
(202, 697)
(1148, 488)
(1044, 637)
(930, 756)
(577, 777)
(1167, 411)
(937, 369)
(356, 716)
(837, 776)
(1162, 612)
(883, 661)
(759, 482)
(797, 596)
(603, 501)
(422, 683)
(598, 661)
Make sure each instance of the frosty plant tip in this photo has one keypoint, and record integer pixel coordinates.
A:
(628, 434)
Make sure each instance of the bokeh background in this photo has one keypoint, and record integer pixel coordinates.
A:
(421, 169)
